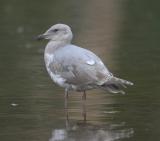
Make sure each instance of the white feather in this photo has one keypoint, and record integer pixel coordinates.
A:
(90, 62)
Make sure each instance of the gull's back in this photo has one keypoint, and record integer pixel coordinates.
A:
(77, 66)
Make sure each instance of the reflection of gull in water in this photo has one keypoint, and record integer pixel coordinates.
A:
(76, 68)
(89, 132)
(83, 131)
(85, 134)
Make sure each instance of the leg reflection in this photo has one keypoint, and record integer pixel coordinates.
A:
(67, 118)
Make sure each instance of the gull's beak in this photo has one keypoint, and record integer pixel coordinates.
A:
(41, 37)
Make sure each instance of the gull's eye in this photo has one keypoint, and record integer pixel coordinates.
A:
(55, 30)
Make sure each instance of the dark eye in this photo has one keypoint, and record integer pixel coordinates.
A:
(55, 30)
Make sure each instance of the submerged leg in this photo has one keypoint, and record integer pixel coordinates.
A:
(67, 117)
(84, 95)
(84, 113)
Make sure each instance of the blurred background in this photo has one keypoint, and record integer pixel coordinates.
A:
(123, 33)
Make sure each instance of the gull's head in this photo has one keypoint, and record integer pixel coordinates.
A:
(58, 32)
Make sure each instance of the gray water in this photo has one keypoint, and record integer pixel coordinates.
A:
(124, 33)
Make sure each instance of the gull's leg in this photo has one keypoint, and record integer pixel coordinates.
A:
(66, 93)
(84, 95)
(84, 106)
(66, 108)
(66, 98)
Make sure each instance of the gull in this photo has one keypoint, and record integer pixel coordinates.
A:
(75, 68)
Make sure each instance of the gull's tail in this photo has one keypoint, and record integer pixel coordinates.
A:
(115, 85)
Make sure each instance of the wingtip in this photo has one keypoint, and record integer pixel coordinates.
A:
(131, 83)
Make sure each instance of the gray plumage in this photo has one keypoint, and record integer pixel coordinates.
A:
(76, 68)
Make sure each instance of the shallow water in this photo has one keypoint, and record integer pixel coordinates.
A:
(125, 34)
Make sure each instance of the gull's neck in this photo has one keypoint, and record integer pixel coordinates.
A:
(54, 45)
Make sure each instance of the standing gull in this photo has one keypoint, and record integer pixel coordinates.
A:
(75, 68)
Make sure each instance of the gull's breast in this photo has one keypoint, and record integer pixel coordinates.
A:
(51, 68)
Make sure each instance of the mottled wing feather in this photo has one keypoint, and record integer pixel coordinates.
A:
(79, 66)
